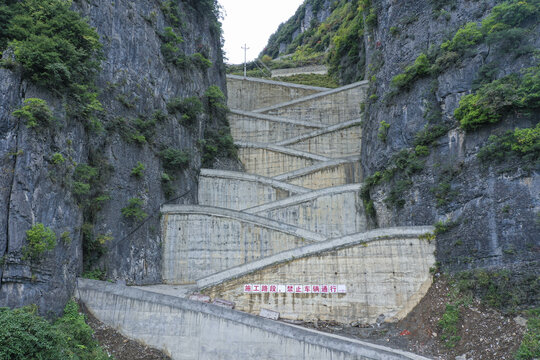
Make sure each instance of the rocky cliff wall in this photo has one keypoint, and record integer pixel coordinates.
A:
(136, 82)
(487, 212)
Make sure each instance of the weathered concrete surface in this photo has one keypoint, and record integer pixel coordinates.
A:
(255, 127)
(331, 107)
(252, 93)
(335, 141)
(324, 174)
(334, 212)
(271, 160)
(189, 330)
(386, 272)
(313, 69)
(199, 241)
(238, 191)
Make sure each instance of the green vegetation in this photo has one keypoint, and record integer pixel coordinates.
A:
(56, 49)
(138, 171)
(411, 73)
(201, 61)
(35, 112)
(383, 131)
(189, 108)
(25, 335)
(134, 210)
(169, 47)
(319, 80)
(83, 176)
(217, 143)
(216, 102)
(494, 100)
(500, 289)
(57, 159)
(96, 274)
(39, 239)
(520, 144)
(530, 346)
(174, 159)
(449, 325)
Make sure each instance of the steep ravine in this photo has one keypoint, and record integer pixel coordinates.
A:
(135, 85)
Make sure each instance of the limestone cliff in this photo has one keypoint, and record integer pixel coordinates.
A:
(444, 77)
(99, 188)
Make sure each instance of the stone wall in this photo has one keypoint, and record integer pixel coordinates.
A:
(331, 107)
(199, 241)
(238, 191)
(252, 93)
(313, 69)
(271, 161)
(335, 141)
(326, 174)
(255, 127)
(189, 330)
(333, 212)
(386, 272)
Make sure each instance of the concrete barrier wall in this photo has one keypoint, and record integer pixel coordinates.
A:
(385, 274)
(268, 162)
(332, 107)
(335, 144)
(333, 212)
(188, 330)
(255, 127)
(252, 93)
(199, 241)
(324, 175)
(238, 191)
(313, 69)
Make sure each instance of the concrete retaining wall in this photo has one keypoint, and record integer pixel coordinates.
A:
(313, 69)
(336, 141)
(331, 107)
(386, 272)
(254, 127)
(252, 93)
(188, 330)
(199, 241)
(238, 191)
(333, 212)
(325, 174)
(269, 160)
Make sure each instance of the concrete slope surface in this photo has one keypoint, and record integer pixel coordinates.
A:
(287, 239)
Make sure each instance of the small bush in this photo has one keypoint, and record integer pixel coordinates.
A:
(174, 159)
(464, 38)
(57, 159)
(449, 325)
(201, 61)
(134, 210)
(429, 135)
(530, 345)
(420, 68)
(25, 335)
(35, 112)
(522, 145)
(39, 239)
(217, 103)
(383, 131)
(138, 171)
(190, 108)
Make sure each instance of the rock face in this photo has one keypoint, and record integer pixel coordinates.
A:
(308, 14)
(491, 213)
(135, 82)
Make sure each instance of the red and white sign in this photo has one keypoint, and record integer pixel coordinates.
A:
(295, 289)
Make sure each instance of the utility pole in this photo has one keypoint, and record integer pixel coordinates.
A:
(245, 59)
